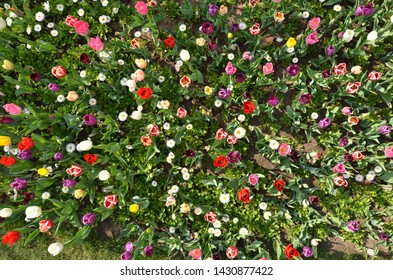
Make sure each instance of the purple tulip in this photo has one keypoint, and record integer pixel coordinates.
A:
(273, 100)
(330, 50)
(88, 219)
(190, 153)
(295, 156)
(246, 95)
(235, 27)
(326, 73)
(129, 246)
(386, 129)
(207, 28)
(18, 184)
(126, 256)
(148, 251)
(85, 59)
(25, 155)
(240, 77)
(314, 199)
(353, 226)
(70, 183)
(58, 156)
(343, 141)
(35, 77)
(348, 157)
(213, 9)
(28, 197)
(365, 10)
(307, 251)
(212, 45)
(383, 236)
(234, 157)
(293, 70)
(216, 256)
(340, 35)
(224, 93)
(324, 123)
(6, 120)
(305, 98)
(89, 119)
(54, 87)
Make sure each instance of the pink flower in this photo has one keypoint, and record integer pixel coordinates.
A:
(181, 113)
(346, 110)
(339, 168)
(141, 8)
(253, 179)
(247, 56)
(389, 152)
(196, 254)
(230, 69)
(312, 38)
(96, 44)
(12, 109)
(314, 23)
(268, 68)
(138, 75)
(81, 27)
(255, 29)
(284, 149)
(170, 200)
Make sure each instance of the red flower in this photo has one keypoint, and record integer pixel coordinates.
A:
(59, 71)
(374, 76)
(7, 161)
(45, 225)
(291, 252)
(221, 134)
(146, 140)
(144, 93)
(248, 107)
(135, 43)
(10, 238)
(170, 42)
(353, 88)
(340, 69)
(74, 170)
(232, 252)
(70, 20)
(357, 155)
(110, 201)
(154, 131)
(26, 144)
(185, 81)
(211, 217)
(221, 161)
(279, 185)
(232, 140)
(244, 195)
(90, 158)
(181, 113)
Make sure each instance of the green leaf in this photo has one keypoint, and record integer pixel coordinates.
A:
(82, 234)
(150, 153)
(31, 236)
(331, 2)
(187, 9)
(278, 248)
(387, 177)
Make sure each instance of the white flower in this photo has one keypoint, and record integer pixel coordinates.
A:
(242, 26)
(273, 144)
(186, 176)
(218, 103)
(314, 116)
(314, 242)
(172, 230)
(54, 33)
(295, 60)
(39, 16)
(28, 29)
(9, 21)
(65, 189)
(84, 145)
(235, 220)
(104, 3)
(137, 34)
(231, 56)
(243, 231)
(372, 172)
(102, 19)
(198, 211)
(14, 151)
(33, 212)
(170, 143)
(346, 175)
(168, 160)
(224, 198)
(189, 126)
(55, 248)
(5, 212)
(348, 35)
(372, 36)
(217, 232)
(184, 55)
(104, 175)
(217, 224)
(145, 29)
(241, 118)
(37, 27)
(92, 101)
(81, 12)
(60, 7)
(182, 27)
(225, 218)
(371, 252)
(279, 39)
(7, 6)
(391, 19)
(154, 183)
(239, 132)
(305, 203)
(45, 195)
(50, 25)
(179, 63)
(6, 149)
(305, 14)
(370, 177)
(47, 6)
(130, 147)
(60, 98)
(174, 188)
(161, 79)
(123, 81)
(267, 215)
(122, 116)
(70, 147)
(337, 8)
(230, 87)
(101, 77)
(263, 205)
(196, 235)
(120, 62)
(359, 178)
(184, 170)
(171, 155)
(115, 10)
(378, 169)
(131, 84)
(82, 74)
(290, 50)
(210, 230)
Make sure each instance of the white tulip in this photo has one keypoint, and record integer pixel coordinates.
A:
(55, 248)
(5, 212)
(131, 85)
(391, 19)
(3, 24)
(33, 212)
(104, 175)
(84, 145)
(348, 35)
(372, 36)
(184, 55)
(136, 115)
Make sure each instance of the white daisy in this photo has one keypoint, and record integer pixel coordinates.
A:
(137, 34)
(210, 230)
(217, 232)
(243, 231)
(70, 147)
(37, 27)
(145, 29)
(239, 132)
(123, 82)
(314, 116)
(378, 169)
(161, 79)
(290, 50)
(108, 18)
(369, 177)
(263, 206)
(154, 183)
(224, 198)
(218, 103)
(39, 16)
(81, 12)
(8, 21)
(168, 160)
(184, 170)
(129, 147)
(50, 25)
(6, 149)
(82, 74)
(101, 77)
(273, 144)
(305, 14)
(337, 8)
(92, 101)
(170, 143)
(167, 126)
(347, 175)
(120, 62)
(242, 26)
(171, 155)
(295, 60)
(14, 151)
(241, 118)
(54, 33)
(28, 29)
(186, 176)
(231, 56)
(102, 19)
(372, 172)
(45, 195)
(122, 116)
(217, 224)
(60, 98)
(172, 230)
(115, 10)
(267, 215)
(47, 6)
(359, 178)
(60, 7)
(182, 27)
(65, 189)
(198, 211)
(7, 6)
(104, 3)
(174, 188)
(225, 218)
(279, 39)
(189, 126)
(235, 220)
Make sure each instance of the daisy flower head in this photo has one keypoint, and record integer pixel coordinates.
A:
(92, 102)
(122, 116)
(70, 147)
(217, 232)
(243, 232)
(60, 98)
(170, 143)
(50, 25)
(101, 77)
(217, 224)
(37, 27)
(54, 33)
(45, 195)
(60, 7)
(81, 12)
(40, 16)
(198, 211)
(337, 8)
(174, 188)
(224, 198)
(182, 27)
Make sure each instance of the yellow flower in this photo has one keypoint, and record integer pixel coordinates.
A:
(200, 42)
(223, 10)
(5, 140)
(43, 171)
(134, 208)
(230, 35)
(79, 193)
(208, 90)
(8, 65)
(291, 42)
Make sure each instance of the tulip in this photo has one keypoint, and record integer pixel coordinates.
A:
(5, 140)
(8, 65)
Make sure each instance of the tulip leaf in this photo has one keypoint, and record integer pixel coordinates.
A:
(31, 236)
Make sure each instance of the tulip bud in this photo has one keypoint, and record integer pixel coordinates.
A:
(8, 65)
(5, 140)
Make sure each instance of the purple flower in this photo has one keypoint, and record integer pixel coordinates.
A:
(54, 87)
(216, 256)
(35, 77)
(84, 58)
(343, 141)
(126, 256)
(88, 219)
(70, 183)
(233, 157)
(273, 100)
(326, 73)
(148, 251)
(348, 157)
(18, 184)
(365, 10)
(6, 120)
(353, 226)
(324, 123)
(190, 153)
(129, 246)
(224, 93)
(295, 156)
(58, 156)
(28, 197)
(307, 251)
(235, 27)
(212, 45)
(246, 95)
(386, 129)
(207, 28)
(89, 119)
(213, 9)
(25, 155)
(240, 77)
(305, 98)
(383, 236)
(330, 50)
(314, 199)
(293, 70)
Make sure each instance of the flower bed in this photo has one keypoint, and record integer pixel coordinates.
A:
(216, 129)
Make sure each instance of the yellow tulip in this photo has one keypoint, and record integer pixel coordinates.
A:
(43, 171)
(8, 65)
(134, 208)
(230, 35)
(291, 42)
(5, 140)
(79, 193)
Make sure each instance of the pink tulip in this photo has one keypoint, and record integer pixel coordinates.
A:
(12, 109)
(389, 152)
(81, 27)
(141, 8)
(230, 69)
(284, 149)
(196, 254)
(253, 179)
(312, 38)
(268, 68)
(346, 110)
(138, 75)
(314, 23)
(96, 44)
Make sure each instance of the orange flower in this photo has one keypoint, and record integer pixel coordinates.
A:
(185, 81)
(135, 43)
(146, 140)
(279, 17)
